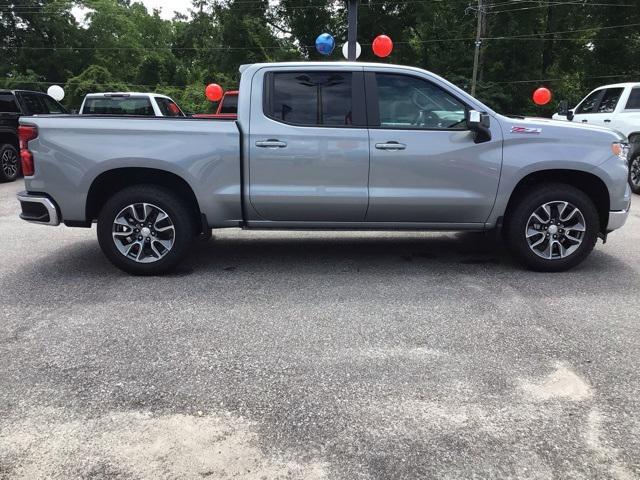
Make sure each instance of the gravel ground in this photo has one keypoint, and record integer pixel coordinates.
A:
(316, 356)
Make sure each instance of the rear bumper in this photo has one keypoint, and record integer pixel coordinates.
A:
(38, 209)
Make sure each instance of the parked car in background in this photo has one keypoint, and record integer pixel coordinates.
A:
(14, 104)
(130, 103)
(227, 108)
(617, 107)
(328, 145)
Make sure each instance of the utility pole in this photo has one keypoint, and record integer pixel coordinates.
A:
(479, 34)
(352, 29)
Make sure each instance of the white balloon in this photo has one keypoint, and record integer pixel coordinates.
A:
(345, 50)
(56, 92)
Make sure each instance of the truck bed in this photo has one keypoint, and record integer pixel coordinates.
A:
(72, 151)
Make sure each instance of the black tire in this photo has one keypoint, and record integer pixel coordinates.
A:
(634, 166)
(9, 163)
(517, 219)
(180, 215)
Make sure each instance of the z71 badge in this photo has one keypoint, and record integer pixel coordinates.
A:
(525, 130)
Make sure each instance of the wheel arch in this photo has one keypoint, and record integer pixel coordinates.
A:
(589, 183)
(635, 136)
(112, 181)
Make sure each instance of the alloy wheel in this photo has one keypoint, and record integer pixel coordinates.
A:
(143, 232)
(555, 230)
(9, 163)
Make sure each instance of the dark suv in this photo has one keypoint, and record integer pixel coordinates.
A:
(14, 104)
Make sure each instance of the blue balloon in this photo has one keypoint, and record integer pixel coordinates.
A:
(325, 44)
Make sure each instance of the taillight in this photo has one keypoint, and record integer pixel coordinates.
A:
(27, 133)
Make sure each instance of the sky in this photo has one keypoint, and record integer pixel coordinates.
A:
(168, 6)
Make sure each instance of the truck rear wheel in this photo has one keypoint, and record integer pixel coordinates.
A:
(9, 163)
(552, 228)
(145, 230)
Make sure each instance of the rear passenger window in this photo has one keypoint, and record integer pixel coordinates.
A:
(8, 103)
(634, 100)
(610, 100)
(34, 103)
(310, 98)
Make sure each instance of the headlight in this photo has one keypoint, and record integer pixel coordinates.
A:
(621, 150)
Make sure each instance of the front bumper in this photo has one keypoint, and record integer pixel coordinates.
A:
(38, 209)
(617, 219)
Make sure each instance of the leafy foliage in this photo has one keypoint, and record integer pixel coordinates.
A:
(99, 45)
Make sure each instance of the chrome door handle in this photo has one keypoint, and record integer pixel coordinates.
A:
(585, 121)
(607, 121)
(391, 146)
(271, 143)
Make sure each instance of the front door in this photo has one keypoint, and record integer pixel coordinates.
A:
(309, 148)
(425, 165)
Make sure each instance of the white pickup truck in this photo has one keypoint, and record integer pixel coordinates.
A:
(130, 103)
(617, 107)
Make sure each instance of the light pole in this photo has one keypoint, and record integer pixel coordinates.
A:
(352, 29)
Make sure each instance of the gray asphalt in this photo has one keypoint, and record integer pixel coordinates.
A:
(316, 356)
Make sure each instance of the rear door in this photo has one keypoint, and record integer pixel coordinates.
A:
(425, 165)
(308, 145)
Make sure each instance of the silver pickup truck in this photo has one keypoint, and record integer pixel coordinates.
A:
(328, 146)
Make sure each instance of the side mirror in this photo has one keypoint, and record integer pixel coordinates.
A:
(563, 110)
(480, 124)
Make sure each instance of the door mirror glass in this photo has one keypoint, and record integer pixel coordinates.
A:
(479, 123)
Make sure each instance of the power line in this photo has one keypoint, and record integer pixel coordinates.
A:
(159, 86)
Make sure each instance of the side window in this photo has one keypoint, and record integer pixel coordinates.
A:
(8, 103)
(168, 107)
(52, 106)
(33, 103)
(413, 103)
(310, 98)
(634, 100)
(610, 100)
(590, 103)
(229, 104)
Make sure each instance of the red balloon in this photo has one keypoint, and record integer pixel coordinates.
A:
(382, 46)
(542, 96)
(214, 92)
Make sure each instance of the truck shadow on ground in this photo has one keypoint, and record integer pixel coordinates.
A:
(279, 256)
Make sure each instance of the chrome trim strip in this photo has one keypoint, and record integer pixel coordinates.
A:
(48, 204)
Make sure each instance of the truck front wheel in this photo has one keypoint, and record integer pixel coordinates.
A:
(145, 230)
(9, 163)
(634, 170)
(552, 228)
